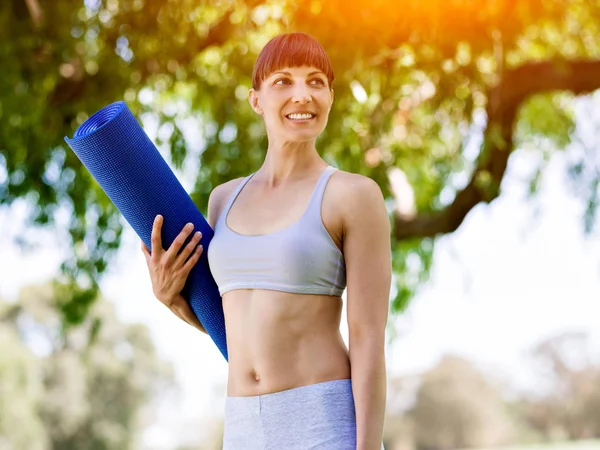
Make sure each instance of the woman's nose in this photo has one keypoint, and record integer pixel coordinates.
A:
(301, 94)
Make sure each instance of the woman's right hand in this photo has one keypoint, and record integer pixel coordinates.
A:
(168, 269)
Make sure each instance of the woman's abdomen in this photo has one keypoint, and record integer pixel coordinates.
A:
(278, 341)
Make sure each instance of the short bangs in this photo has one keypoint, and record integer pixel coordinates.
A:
(290, 50)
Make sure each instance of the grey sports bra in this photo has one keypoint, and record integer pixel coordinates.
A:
(300, 258)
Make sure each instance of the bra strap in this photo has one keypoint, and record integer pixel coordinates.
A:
(233, 196)
(317, 197)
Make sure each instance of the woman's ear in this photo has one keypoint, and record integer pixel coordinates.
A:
(253, 99)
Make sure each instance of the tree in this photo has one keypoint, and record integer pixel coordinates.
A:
(20, 395)
(431, 100)
(457, 407)
(568, 405)
(80, 388)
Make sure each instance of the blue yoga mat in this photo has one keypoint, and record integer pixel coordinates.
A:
(112, 145)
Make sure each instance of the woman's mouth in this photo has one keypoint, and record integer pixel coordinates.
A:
(301, 117)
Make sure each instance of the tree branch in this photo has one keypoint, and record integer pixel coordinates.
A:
(36, 12)
(577, 76)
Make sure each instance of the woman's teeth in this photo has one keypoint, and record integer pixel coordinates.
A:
(300, 116)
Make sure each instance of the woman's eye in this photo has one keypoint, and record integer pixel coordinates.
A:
(286, 81)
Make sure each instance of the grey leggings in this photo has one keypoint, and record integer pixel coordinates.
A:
(318, 416)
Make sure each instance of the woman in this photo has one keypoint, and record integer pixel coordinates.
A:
(288, 239)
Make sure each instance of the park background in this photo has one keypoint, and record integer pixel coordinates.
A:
(480, 120)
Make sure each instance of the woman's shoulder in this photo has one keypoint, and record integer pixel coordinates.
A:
(349, 194)
(228, 187)
(218, 197)
(346, 186)
(358, 204)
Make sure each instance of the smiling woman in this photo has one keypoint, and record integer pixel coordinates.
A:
(292, 84)
(293, 99)
(288, 239)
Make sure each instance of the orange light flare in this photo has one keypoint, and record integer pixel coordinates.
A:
(371, 23)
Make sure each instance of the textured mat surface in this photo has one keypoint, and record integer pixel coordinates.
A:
(121, 157)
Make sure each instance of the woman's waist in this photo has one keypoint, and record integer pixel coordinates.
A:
(254, 370)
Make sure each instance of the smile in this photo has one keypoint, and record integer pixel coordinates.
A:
(300, 117)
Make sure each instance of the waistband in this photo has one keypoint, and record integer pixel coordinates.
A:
(322, 387)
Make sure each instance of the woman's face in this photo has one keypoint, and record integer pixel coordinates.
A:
(294, 103)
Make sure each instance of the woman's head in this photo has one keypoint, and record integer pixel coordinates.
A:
(290, 50)
(291, 87)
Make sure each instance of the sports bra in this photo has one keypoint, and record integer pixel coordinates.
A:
(301, 258)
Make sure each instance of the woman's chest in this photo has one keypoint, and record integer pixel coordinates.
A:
(262, 215)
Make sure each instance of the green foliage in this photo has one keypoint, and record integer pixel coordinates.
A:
(20, 394)
(547, 116)
(81, 388)
(410, 83)
(411, 261)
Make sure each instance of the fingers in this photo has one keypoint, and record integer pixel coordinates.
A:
(189, 248)
(173, 256)
(156, 242)
(169, 269)
(187, 267)
(178, 242)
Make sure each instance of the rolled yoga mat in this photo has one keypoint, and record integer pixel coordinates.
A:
(121, 157)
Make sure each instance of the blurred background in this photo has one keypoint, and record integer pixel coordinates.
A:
(480, 120)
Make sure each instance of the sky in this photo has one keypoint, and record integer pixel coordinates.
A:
(516, 271)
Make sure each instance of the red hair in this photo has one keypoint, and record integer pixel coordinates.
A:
(290, 50)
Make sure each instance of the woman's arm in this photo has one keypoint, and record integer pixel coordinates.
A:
(173, 271)
(181, 308)
(367, 251)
